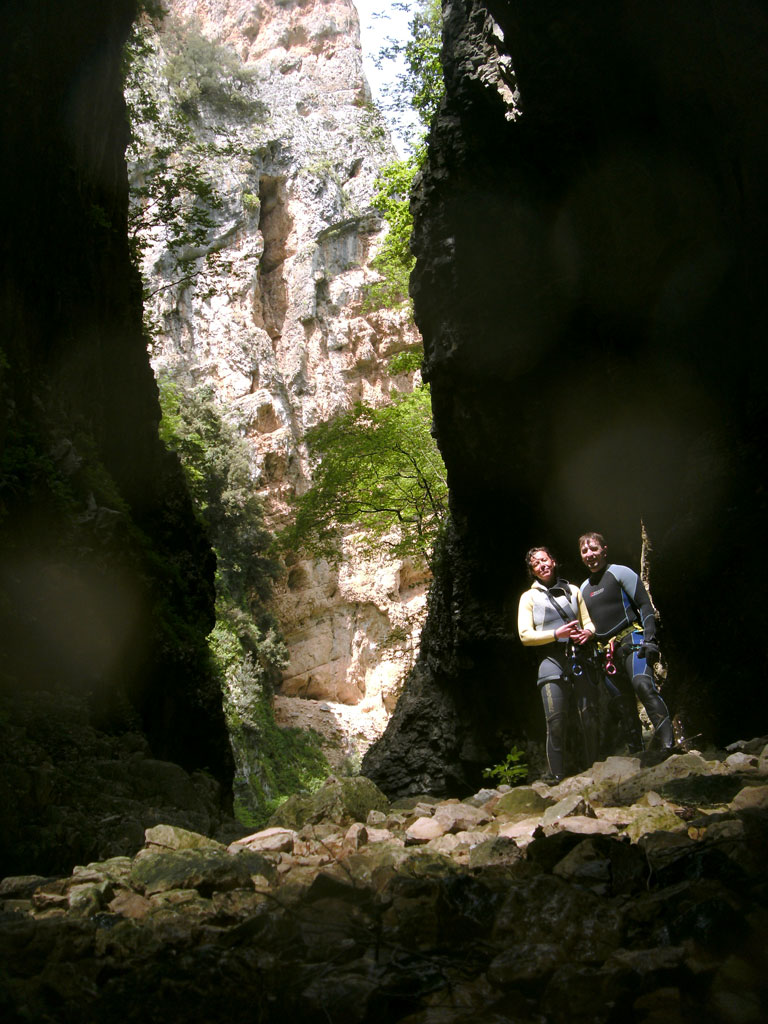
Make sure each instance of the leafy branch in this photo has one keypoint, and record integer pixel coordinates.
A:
(377, 470)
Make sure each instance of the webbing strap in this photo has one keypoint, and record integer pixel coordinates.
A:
(559, 608)
(633, 627)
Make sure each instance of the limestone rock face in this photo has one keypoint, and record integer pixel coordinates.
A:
(275, 322)
(589, 234)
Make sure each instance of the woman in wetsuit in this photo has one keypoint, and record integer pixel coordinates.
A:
(552, 616)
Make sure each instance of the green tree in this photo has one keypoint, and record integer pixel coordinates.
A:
(378, 470)
(419, 88)
(394, 261)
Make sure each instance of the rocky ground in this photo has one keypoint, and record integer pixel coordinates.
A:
(632, 892)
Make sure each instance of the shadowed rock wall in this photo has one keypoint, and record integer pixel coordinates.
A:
(106, 576)
(590, 239)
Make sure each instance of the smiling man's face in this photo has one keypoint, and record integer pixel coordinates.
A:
(593, 554)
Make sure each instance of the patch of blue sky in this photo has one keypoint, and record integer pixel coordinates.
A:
(380, 22)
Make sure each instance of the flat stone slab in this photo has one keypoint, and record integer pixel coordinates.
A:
(584, 826)
(273, 840)
(575, 804)
(751, 798)
(423, 830)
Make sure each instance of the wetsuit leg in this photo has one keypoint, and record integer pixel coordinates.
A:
(624, 711)
(644, 685)
(554, 697)
(585, 695)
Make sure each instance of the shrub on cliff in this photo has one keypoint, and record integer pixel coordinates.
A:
(175, 77)
(202, 72)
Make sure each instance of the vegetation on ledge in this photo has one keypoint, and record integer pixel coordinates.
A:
(247, 649)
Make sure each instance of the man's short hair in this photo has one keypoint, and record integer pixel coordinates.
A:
(593, 536)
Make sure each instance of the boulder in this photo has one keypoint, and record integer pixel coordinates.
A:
(340, 800)
(205, 870)
(88, 899)
(583, 825)
(589, 864)
(656, 817)
(751, 798)
(678, 766)
(269, 840)
(424, 829)
(460, 817)
(525, 965)
(499, 850)
(522, 802)
(171, 837)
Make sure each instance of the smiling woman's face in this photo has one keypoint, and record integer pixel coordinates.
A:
(542, 566)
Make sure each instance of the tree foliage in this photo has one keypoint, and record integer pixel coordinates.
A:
(394, 261)
(378, 470)
(419, 88)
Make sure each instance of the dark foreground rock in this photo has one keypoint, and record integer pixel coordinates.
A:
(70, 793)
(106, 572)
(604, 899)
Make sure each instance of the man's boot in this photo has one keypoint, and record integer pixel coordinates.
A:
(648, 693)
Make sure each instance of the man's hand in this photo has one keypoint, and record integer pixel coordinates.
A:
(650, 651)
(582, 636)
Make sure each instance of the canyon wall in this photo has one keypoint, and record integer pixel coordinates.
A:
(106, 578)
(590, 240)
(273, 318)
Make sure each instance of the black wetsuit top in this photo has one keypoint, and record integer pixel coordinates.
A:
(615, 598)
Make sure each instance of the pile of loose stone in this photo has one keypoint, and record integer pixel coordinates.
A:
(627, 893)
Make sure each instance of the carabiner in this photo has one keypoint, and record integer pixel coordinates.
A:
(610, 668)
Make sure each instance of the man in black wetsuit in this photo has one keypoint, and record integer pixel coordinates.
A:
(622, 612)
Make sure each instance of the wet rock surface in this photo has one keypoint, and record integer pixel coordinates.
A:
(378, 921)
